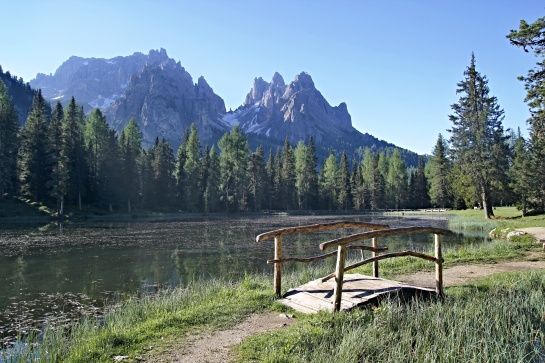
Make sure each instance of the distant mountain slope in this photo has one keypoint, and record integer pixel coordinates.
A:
(94, 82)
(274, 111)
(165, 101)
(161, 95)
(21, 94)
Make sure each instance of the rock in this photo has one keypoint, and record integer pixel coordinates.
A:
(515, 233)
(165, 102)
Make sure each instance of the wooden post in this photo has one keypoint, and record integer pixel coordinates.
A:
(438, 266)
(278, 265)
(339, 276)
(375, 254)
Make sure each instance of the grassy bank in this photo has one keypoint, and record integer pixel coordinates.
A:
(499, 318)
(131, 328)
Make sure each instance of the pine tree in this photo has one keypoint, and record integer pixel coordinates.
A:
(302, 178)
(358, 187)
(421, 185)
(271, 193)
(373, 180)
(477, 140)
(288, 176)
(211, 194)
(98, 144)
(179, 174)
(328, 182)
(136, 173)
(532, 36)
(233, 162)
(277, 181)
(312, 172)
(437, 170)
(73, 169)
(54, 134)
(256, 177)
(343, 184)
(33, 166)
(8, 141)
(521, 174)
(396, 181)
(162, 166)
(191, 167)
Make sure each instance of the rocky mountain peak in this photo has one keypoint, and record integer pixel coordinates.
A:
(302, 81)
(277, 80)
(157, 56)
(257, 91)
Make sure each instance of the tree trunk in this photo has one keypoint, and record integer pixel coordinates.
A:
(487, 206)
(129, 205)
(61, 207)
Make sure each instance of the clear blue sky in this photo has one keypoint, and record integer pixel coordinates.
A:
(395, 63)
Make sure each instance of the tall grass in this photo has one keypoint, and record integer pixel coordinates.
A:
(129, 328)
(498, 319)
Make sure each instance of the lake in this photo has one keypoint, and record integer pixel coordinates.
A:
(57, 272)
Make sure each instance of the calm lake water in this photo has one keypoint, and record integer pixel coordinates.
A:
(53, 271)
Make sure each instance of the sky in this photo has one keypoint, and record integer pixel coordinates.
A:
(395, 63)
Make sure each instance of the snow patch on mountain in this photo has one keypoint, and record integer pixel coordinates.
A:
(231, 119)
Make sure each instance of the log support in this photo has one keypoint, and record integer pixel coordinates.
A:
(339, 276)
(438, 266)
(278, 265)
(375, 254)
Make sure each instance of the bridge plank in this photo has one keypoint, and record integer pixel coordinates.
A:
(358, 290)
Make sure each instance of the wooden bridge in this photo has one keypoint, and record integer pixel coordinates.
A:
(340, 291)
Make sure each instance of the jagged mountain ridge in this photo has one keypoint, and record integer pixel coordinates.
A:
(21, 94)
(162, 97)
(165, 101)
(94, 82)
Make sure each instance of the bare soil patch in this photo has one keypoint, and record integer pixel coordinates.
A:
(212, 347)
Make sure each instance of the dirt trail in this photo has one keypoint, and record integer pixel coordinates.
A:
(216, 347)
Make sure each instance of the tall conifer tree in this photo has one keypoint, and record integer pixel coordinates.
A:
(8, 141)
(532, 37)
(477, 139)
(33, 166)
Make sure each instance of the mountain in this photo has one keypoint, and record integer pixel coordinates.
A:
(94, 82)
(163, 98)
(21, 94)
(273, 111)
(165, 101)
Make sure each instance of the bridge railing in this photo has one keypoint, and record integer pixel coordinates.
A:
(376, 231)
(277, 235)
(341, 244)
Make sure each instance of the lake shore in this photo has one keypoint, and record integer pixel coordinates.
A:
(219, 305)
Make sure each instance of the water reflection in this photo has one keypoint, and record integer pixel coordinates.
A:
(99, 260)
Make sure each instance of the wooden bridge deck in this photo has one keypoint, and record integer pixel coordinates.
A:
(357, 289)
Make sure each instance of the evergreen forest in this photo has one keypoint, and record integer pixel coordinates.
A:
(71, 161)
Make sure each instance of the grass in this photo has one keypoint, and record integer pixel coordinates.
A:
(132, 327)
(505, 217)
(499, 318)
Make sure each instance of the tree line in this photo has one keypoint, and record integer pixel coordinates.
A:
(65, 158)
(69, 159)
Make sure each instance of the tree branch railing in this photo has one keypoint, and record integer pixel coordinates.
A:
(341, 244)
(277, 235)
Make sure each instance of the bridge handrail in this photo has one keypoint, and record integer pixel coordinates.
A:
(277, 235)
(382, 233)
(319, 227)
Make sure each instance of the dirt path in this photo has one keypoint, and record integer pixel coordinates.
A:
(215, 347)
